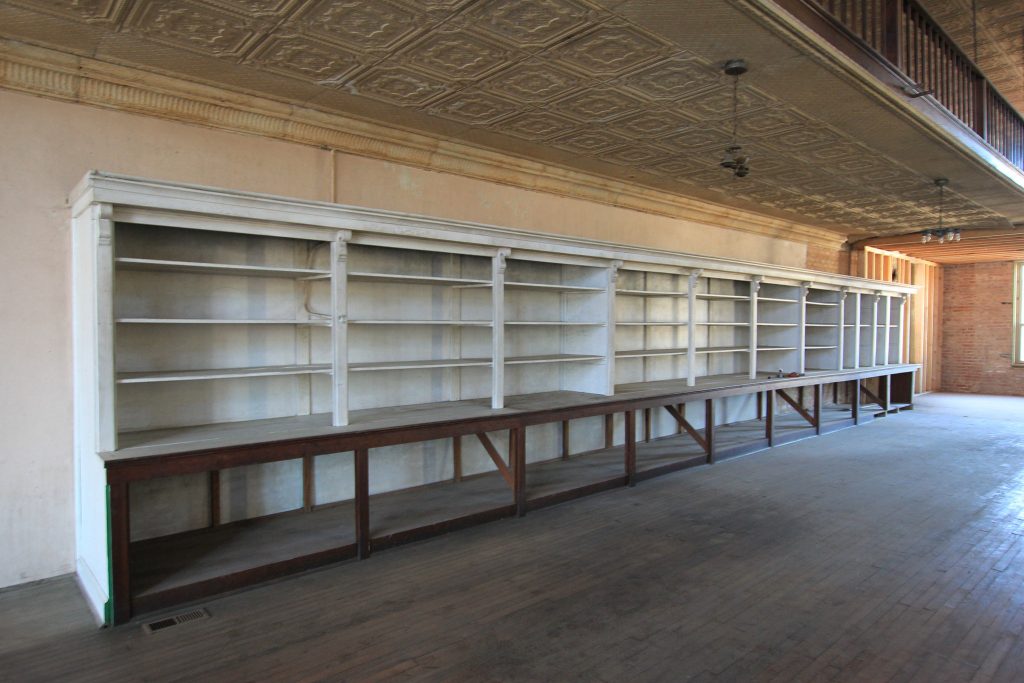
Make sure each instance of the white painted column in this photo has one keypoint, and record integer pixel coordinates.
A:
(691, 328)
(102, 218)
(339, 328)
(841, 347)
(874, 329)
(888, 330)
(901, 329)
(755, 287)
(498, 328)
(802, 327)
(612, 279)
(856, 333)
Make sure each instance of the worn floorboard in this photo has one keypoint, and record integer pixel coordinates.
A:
(890, 552)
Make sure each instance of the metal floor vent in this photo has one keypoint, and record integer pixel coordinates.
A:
(185, 617)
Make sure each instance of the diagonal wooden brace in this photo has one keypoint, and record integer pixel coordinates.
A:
(685, 424)
(496, 457)
(871, 395)
(797, 407)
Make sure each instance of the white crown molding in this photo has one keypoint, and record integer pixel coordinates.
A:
(70, 78)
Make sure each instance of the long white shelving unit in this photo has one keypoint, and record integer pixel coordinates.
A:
(214, 323)
(206, 316)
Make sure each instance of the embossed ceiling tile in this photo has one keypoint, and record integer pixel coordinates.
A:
(532, 81)
(372, 26)
(195, 26)
(589, 141)
(770, 122)
(597, 105)
(457, 54)
(765, 194)
(398, 86)
(713, 177)
(90, 11)
(696, 138)
(804, 138)
(672, 79)
(834, 154)
(257, 8)
(651, 123)
(717, 103)
(536, 126)
(680, 166)
(611, 49)
(634, 155)
(532, 23)
(473, 106)
(306, 58)
(876, 176)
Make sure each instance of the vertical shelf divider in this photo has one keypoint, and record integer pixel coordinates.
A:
(609, 349)
(841, 346)
(755, 287)
(888, 329)
(874, 329)
(498, 265)
(691, 329)
(339, 328)
(856, 331)
(102, 218)
(802, 328)
(900, 329)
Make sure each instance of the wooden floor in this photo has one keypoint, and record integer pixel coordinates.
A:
(891, 552)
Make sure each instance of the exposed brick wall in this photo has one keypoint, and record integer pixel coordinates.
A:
(828, 260)
(977, 324)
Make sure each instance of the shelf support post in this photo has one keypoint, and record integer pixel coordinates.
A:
(630, 448)
(609, 351)
(841, 346)
(102, 218)
(691, 328)
(901, 330)
(802, 344)
(498, 265)
(874, 329)
(517, 455)
(339, 328)
(856, 331)
(362, 490)
(769, 416)
(888, 329)
(755, 287)
(709, 429)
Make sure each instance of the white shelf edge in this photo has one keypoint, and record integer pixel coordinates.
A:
(661, 323)
(170, 266)
(553, 358)
(221, 373)
(217, 321)
(552, 288)
(396, 278)
(379, 366)
(454, 323)
(650, 293)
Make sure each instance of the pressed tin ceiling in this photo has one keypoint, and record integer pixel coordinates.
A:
(628, 89)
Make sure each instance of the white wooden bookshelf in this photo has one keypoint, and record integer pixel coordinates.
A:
(202, 311)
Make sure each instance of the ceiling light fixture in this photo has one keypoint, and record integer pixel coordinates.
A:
(942, 234)
(735, 160)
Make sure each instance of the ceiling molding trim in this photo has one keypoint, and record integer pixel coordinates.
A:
(57, 75)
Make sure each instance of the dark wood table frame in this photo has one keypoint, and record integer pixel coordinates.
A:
(894, 392)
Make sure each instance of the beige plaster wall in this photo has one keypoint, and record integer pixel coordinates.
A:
(46, 147)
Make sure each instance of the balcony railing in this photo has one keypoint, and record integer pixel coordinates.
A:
(902, 33)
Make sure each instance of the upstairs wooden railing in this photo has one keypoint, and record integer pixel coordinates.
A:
(902, 33)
